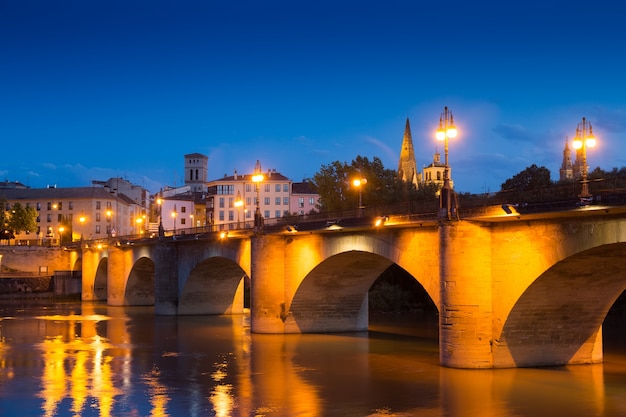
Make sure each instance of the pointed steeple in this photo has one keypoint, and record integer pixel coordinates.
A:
(407, 168)
(566, 172)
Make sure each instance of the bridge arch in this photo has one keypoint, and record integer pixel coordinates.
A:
(214, 286)
(333, 296)
(139, 289)
(100, 283)
(559, 316)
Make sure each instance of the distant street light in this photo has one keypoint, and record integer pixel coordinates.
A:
(61, 230)
(160, 204)
(238, 205)
(359, 183)
(174, 214)
(447, 130)
(584, 138)
(82, 220)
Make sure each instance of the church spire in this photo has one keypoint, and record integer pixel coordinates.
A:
(566, 173)
(407, 168)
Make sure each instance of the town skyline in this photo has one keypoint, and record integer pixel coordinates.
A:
(124, 89)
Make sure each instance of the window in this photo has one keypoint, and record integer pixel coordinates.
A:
(277, 188)
(98, 205)
(231, 202)
(267, 188)
(285, 201)
(277, 213)
(248, 214)
(277, 201)
(248, 188)
(71, 205)
(49, 218)
(300, 201)
(225, 189)
(221, 215)
(248, 201)
(97, 229)
(38, 206)
(60, 205)
(182, 220)
(38, 219)
(49, 205)
(231, 215)
(221, 202)
(266, 214)
(311, 201)
(97, 217)
(266, 201)
(285, 188)
(183, 209)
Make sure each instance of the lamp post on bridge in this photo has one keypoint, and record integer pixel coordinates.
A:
(447, 130)
(257, 178)
(359, 183)
(584, 138)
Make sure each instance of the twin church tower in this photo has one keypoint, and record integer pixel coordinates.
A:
(407, 167)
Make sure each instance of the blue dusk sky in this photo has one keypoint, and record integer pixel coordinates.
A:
(94, 89)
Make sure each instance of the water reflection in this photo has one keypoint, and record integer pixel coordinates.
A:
(94, 360)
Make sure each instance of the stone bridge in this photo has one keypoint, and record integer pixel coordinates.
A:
(512, 289)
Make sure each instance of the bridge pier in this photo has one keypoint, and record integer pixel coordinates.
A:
(465, 331)
(90, 262)
(268, 306)
(166, 287)
(117, 273)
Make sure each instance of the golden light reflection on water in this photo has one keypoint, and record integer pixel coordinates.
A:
(90, 365)
(76, 367)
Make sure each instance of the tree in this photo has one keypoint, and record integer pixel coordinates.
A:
(533, 177)
(383, 188)
(17, 220)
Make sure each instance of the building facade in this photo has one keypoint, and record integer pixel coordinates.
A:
(70, 214)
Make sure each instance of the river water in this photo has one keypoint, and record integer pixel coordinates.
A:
(83, 359)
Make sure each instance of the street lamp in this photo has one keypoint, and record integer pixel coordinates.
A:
(238, 205)
(358, 183)
(258, 219)
(82, 220)
(160, 204)
(447, 130)
(584, 138)
(174, 214)
(61, 230)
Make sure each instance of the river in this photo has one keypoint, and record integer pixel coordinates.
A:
(86, 359)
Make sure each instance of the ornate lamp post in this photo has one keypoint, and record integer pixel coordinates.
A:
(358, 183)
(584, 138)
(447, 130)
(257, 178)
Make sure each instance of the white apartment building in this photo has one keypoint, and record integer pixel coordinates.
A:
(73, 213)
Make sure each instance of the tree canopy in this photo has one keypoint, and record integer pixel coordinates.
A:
(17, 220)
(334, 183)
(533, 177)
